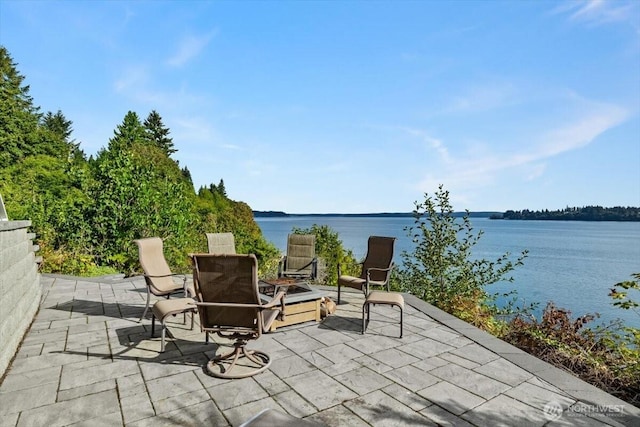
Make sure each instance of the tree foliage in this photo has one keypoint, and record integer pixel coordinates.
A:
(442, 270)
(86, 213)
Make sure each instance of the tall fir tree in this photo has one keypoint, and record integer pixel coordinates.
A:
(18, 116)
(158, 133)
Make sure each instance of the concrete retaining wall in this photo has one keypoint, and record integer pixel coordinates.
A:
(20, 290)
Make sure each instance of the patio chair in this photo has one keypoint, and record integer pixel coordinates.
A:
(157, 274)
(300, 260)
(221, 243)
(376, 267)
(229, 304)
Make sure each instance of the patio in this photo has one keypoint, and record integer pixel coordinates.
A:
(87, 361)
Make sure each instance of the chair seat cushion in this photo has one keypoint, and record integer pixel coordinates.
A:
(167, 307)
(357, 283)
(351, 281)
(391, 298)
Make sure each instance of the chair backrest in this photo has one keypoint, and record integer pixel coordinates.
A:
(379, 255)
(153, 263)
(227, 279)
(301, 250)
(221, 243)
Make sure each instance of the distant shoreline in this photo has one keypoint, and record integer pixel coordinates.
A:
(629, 215)
(280, 214)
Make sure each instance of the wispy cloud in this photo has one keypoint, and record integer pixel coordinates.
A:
(190, 47)
(486, 97)
(131, 77)
(464, 173)
(598, 12)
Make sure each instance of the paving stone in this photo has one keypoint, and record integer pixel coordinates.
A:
(109, 420)
(338, 416)
(341, 368)
(507, 412)
(240, 414)
(407, 397)
(72, 378)
(173, 385)
(136, 407)
(425, 348)
(9, 420)
(373, 364)
(294, 404)
(71, 411)
(45, 361)
(316, 359)
(379, 409)
(236, 393)
(130, 385)
(181, 400)
(69, 322)
(538, 397)
(320, 389)
(328, 338)
(411, 377)
(201, 414)
(290, 366)
(46, 337)
(471, 381)
(444, 418)
(271, 383)
(452, 398)
(28, 398)
(430, 363)
(339, 353)
(465, 363)
(166, 367)
(373, 344)
(29, 351)
(446, 336)
(86, 339)
(74, 393)
(476, 353)
(394, 357)
(504, 371)
(298, 342)
(362, 380)
(29, 379)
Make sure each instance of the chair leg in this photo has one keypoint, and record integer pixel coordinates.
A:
(164, 328)
(338, 293)
(153, 325)
(146, 307)
(401, 320)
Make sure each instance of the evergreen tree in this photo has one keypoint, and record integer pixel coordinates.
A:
(187, 175)
(55, 131)
(158, 133)
(127, 134)
(18, 116)
(221, 189)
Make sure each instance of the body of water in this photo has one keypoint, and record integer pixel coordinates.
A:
(572, 263)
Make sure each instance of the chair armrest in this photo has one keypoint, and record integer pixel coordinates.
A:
(279, 298)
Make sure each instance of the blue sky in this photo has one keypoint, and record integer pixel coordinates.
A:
(354, 106)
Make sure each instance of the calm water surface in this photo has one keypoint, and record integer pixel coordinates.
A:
(572, 263)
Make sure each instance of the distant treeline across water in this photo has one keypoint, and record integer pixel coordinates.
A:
(587, 213)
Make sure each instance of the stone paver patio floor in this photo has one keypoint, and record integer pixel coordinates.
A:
(87, 361)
